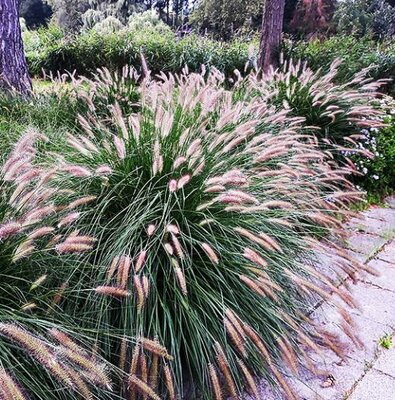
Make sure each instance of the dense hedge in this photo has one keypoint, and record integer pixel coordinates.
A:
(49, 50)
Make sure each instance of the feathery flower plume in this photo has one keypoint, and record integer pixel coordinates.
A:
(112, 268)
(38, 282)
(66, 248)
(237, 339)
(181, 280)
(76, 170)
(179, 161)
(40, 351)
(9, 388)
(155, 347)
(146, 286)
(210, 253)
(153, 374)
(138, 286)
(140, 261)
(9, 229)
(23, 250)
(119, 147)
(40, 232)
(29, 306)
(249, 379)
(237, 197)
(177, 246)
(112, 291)
(266, 356)
(169, 383)
(151, 229)
(254, 238)
(123, 271)
(288, 354)
(65, 340)
(123, 349)
(142, 387)
(75, 244)
(225, 370)
(94, 371)
(172, 229)
(254, 257)
(183, 181)
(103, 170)
(253, 285)
(169, 248)
(215, 385)
(157, 165)
(69, 219)
(81, 202)
(172, 185)
(144, 371)
(59, 294)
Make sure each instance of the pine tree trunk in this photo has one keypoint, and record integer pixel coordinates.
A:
(272, 28)
(13, 70)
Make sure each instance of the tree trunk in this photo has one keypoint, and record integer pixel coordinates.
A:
(272, 28)
(13, 70)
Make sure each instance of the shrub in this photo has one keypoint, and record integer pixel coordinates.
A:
(147, 20)
(108, 25)
(378, 177)
(37, 356)
(356, 54)
(333, 113)
(203, 270)
(162, 49)
(363, 17)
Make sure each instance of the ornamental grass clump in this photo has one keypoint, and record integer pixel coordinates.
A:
(37, 358)
(203, 270)
(335, 113)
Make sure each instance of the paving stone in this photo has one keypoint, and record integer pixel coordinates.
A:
(367, 329)
(365, 243)
(388, 253)
(374, 386)
(368, 373)
(362, 258)
(345, 376)
(386, 362)
(375, 305)
(379, 227)
(386, 273)
(327, 264)
(384, 214)
(390, 201)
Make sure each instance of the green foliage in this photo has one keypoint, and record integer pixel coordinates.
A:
(335, 112)
(32, 357)
(356, 54)
(224, 18)
(386, 341)
(365, 17)
(377, 171)
(34, 12)
(192, 242)
(147, 20)
(185, 239)
(50, 51)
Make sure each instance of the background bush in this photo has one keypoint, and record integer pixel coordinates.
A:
(378, 172)
(365, 17)
(49, 50)
(356, 54)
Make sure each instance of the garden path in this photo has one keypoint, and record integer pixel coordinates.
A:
(368, 373)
